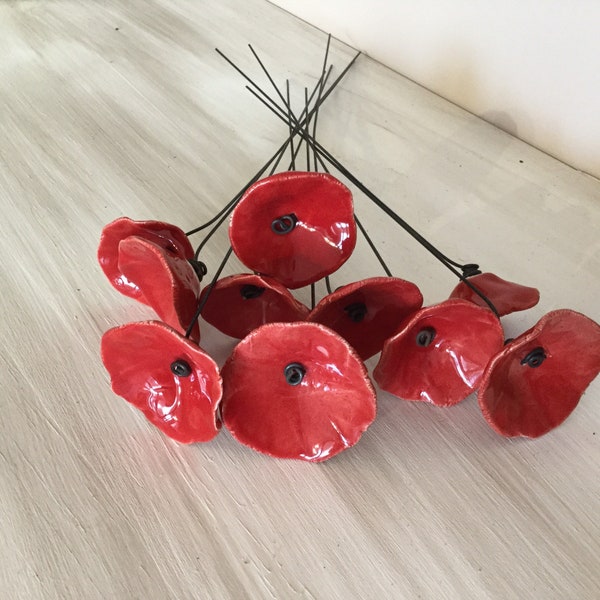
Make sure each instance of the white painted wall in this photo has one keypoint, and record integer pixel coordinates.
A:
(532, 67)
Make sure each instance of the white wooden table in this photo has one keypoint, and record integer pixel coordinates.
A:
(114, 108)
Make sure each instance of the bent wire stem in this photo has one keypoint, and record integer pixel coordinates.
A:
(288, 117)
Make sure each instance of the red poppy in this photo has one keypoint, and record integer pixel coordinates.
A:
(169, 378)
(368, 312)
(440, 354)
(240, 303)
(506, 296)
(162, 234)
(169, 283)
(535, 383)
(296, 390)
(296, 227)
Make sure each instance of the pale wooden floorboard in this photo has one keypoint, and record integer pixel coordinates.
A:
(147, 121)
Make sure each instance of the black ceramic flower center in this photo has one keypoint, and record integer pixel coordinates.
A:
(181, 368)
(535, 358)
(294, 373)
(425, 337)
(284, 224)
(251, 291)
(356, 311)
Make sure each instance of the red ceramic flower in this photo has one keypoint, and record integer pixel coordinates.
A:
(296, 227)
(296, 390)
(162, 234)
(168, 282)
(440, 353)
(535, 383)
(506, 296)
(368, 312)
(170, 379)
(240, 303)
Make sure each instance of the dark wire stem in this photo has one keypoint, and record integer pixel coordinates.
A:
(287, 102)
(278, 154)
(215, 218)
(318, 160)
(333, 161)
(290, 123)
(305, 115)
(319, 95)
(307, 126)
(270, 101)
(304, 119)
(313, 296)
(447, 262)
(367, 237)
(266, 96)
(373, 247)
(208, 290)
(266, 72)
(275, 159)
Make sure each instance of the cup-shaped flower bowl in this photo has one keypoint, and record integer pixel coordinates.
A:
(296, 390)
(366, 313)
(440, 353)
(537, 380)
(240, 303)
(294, 226)
(165, 235)
(173, 382)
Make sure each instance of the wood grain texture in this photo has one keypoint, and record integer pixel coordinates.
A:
(119, 108)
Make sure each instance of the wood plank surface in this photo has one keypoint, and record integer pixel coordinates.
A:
(123, 108)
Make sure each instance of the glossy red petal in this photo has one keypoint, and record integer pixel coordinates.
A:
(531, 397)
(168, 282)
(138, 357)
(296, 227)
(162, 234)
(240, 303)
(440, 354)
(320, 413)
(368, 312)
(506, 296)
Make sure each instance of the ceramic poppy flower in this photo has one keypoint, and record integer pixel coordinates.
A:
(506, 296)
(168, 237)
(296, 390)
(294, 226)
(440, 353)
(240, 303)
(536, 381)
(368, 312)
(174, 383)
(168, 282)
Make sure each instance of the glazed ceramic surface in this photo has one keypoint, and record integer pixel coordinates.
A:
(149, 122)
(168, 282)
(506, 296)
(296, 390)
(535, 383)
(240, 303)
(367, 312)
(294, 226)
(174, 383)
(165, 235)
(440, 353)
